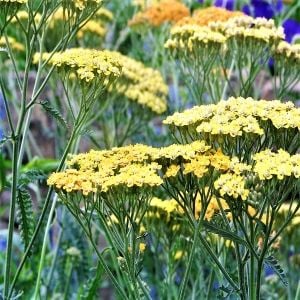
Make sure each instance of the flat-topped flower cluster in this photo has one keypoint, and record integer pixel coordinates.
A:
(238, 116)
(241, 29)
(136, 82)
(157, 14)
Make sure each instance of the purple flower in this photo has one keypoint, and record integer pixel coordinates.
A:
(228, 4)
(263, 8)
(291, 30)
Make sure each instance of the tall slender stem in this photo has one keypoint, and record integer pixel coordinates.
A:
(252, 291)
(42, 259)
(11, 217)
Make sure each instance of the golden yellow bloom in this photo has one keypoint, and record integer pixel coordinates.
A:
(213, 207)
(172, 171)
(142, 247)
(157, 14)
(168, 206)
(204, 16)
(102, 171)
(179, 254)
(137, 82)
(86, 64)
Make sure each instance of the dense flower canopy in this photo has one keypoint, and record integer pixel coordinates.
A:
(157, 14)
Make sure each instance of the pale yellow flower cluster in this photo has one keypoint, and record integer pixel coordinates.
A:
(291, 52)
(85, 64)
(141, 84)
(232, 185)
(13, 44)
(243, 28)
(269, 164)
(237, 116)
(191, 37)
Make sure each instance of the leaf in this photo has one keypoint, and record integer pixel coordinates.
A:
(31, 176)
(43, 164)
(273, 263)
(90, 289)
(224, 233)
(25, 215)
(53, 112)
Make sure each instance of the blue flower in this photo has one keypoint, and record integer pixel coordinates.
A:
(291, 30)
(228, 4)
(263, 8)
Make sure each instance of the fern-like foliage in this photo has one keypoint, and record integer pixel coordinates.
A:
(25, 215)
(273, 263)
(24, 204)
(52, 111)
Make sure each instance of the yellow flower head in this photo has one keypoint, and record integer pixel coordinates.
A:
(207, 15)
(281, 164)
(165, 11)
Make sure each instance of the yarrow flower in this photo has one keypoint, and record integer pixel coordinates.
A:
(237, 116)
(85, 64)
(269, 164)
(141, 84)
(232, 185)
(155, 15)
(205, 16)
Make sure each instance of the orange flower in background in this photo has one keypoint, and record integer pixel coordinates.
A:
(165, 11)
(204, 16)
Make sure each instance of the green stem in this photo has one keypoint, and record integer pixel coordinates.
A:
(42, 259)
(43, 214)
(69, 277)
(191, 258)
(252, 291)
(11, 217)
